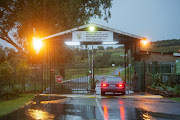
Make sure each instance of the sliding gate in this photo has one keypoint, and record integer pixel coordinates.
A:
(75, 79)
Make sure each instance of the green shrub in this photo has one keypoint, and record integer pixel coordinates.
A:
(160, 88)
(170, 89)
(7, 91)
(17, 88)
(157, 79)
(177, 89)
(5, 74)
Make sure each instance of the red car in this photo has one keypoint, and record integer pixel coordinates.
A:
(113, 84)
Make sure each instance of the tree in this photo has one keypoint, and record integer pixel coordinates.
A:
(108, 48)
(23, 19)
(100, 47)
(2, 55)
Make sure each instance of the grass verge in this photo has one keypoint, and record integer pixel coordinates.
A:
(11, 105)
(175, 99)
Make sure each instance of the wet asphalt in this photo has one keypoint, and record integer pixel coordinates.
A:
(46, 107)
(50, 107)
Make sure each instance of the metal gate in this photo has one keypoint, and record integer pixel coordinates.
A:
(75, 79)
(57, 61)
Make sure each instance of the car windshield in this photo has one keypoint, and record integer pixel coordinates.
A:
(113, 79)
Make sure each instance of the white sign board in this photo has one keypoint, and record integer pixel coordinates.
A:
(96, 36)
(113, 65)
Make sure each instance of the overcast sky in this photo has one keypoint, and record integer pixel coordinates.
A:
(154, 19)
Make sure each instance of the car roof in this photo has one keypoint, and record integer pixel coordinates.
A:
(112, 77)
(116, 78)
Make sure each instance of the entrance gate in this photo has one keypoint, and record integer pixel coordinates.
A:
(75, 75)
(75, 78)
(58, 61)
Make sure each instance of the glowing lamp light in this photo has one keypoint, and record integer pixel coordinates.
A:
(72, 43)
(91, 28)
(110, 43)
(144, 42)
(37, 44)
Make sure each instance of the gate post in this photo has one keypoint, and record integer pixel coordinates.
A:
(140, 69)
(154, 67)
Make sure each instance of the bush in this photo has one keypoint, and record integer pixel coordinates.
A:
(5, 74)
(170, 89)
(7, 91)
(11, 91)
(17, 88)
(157, 79)
(177, 89)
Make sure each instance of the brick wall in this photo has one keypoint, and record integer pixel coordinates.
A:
(160, 57)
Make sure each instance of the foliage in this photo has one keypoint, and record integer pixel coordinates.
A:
(17, 88)
(5, 74)
(7, 91)
(103, 60)
(22, 69)
(177, 89)
(100, 47)
(170, 89)
(25, 19)
(2, 55)
(161, 46)
(108, 48)
(157, 79)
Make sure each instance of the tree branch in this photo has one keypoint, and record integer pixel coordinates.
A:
(6, 38)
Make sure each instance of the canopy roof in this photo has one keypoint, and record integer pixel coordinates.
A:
(119, 35)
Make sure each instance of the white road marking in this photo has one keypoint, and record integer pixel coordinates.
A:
(101, 111)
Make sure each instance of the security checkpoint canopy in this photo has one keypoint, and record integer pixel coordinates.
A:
(118, 36)
(101, 35)
(53, 54)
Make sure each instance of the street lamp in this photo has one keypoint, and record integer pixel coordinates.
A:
(37, 44)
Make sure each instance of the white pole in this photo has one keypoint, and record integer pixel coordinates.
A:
(88, 58)
(92, 61)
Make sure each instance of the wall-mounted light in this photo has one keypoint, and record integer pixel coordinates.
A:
(72, 43)
(92, 28)
(110, 43)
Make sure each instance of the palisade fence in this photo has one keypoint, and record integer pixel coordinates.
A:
(145, 71)
(31, 79)
(40, 78)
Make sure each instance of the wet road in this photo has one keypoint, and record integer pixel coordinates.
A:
(48, 107)
(91, 107)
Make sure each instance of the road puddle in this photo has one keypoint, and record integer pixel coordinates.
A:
(53, 107)
(62, 108)
(148, 115)
(130, 113)
(149, 100)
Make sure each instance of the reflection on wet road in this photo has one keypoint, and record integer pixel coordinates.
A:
(129, 109)
(63, 108)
